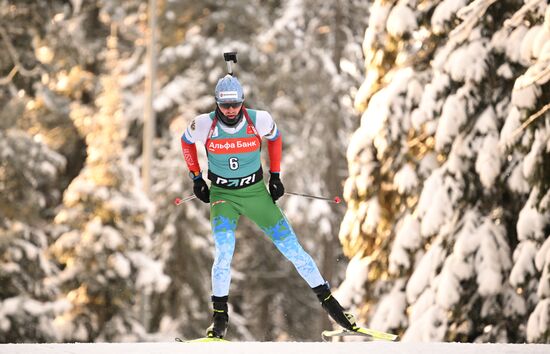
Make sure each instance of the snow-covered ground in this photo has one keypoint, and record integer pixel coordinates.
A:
(275, 348)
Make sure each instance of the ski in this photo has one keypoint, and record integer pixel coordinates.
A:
(202, 340)
(360, 331)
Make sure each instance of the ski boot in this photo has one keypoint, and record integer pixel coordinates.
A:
(220, 318)
(333, 307)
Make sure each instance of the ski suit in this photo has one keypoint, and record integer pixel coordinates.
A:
(235, 172)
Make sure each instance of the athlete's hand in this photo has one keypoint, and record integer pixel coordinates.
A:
(276, 188)
(200, 188)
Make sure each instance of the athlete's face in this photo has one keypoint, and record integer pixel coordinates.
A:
(230, 110)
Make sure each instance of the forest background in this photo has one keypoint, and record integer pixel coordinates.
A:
(429, 117)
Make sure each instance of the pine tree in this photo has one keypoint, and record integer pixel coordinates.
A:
(34, 168)
(28, 172)
(440, 196)
(104, 227)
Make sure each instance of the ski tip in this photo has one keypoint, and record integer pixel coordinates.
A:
(359, 331)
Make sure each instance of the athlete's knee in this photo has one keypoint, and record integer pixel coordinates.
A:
(280, 232)
(225, 246)
(224, 238)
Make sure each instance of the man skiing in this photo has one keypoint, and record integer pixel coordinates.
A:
(232, 136)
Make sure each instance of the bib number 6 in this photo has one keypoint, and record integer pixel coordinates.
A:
(233, 163)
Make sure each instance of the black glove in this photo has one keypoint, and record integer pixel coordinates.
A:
(200, 188)
(276, 188)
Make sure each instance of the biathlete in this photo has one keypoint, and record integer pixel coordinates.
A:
(232, 136)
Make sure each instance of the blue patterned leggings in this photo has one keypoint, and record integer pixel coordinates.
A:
(255, 203)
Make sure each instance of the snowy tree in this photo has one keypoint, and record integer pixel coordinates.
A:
(448, 186)
(35, 149)
(28, 172)
(103, 244)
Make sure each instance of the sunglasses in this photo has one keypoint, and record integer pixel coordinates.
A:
(230, 105)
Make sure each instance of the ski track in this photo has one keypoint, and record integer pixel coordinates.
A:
(275, 348)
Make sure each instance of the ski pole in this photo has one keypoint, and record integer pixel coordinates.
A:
(336, 199)
(179, 201)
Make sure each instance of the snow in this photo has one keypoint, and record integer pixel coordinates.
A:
(112, 238)
(407, 239)
(470, 15)
(488, 162)
(505, 71)
(524, 94)
(523, 263)
(120, 264)
(430, 102)
(512, 122)
(377, 21)
(513, 50)
(431, 326)
(536, 325)
(419, 308)
(373, 214)
(467, 63)
(540, 42)
(10, 306)
(391, 311)
(373, 119)
(486, 122)
(542, 136)
(444, 13)
(531, 223)
(492, 260)
(405, 179)
(448, 294)
(527, 48)
(427, 165)
(517, 182)
(543, 289)
(171, 94)
(543, 255)
(424, 271)
(151, 276)
(436, 202)
(274, 348)
(351, 290)
(453, 117)
(289, 19)
(33, 307)
(515, 304)
(401, 21)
